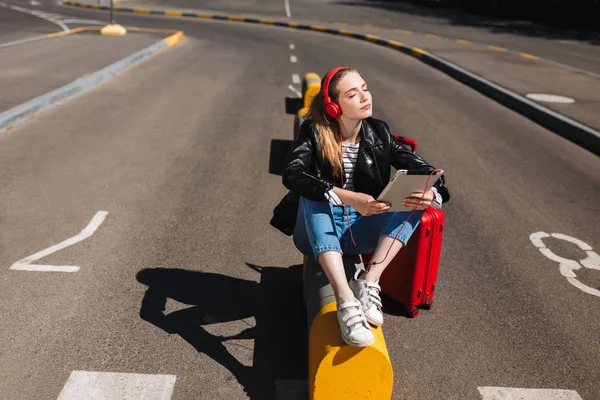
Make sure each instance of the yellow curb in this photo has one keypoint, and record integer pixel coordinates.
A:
(529, 56)
(204, 15)
(292, 24)
(317, 28)
(173, 13)
(331, 362)
(235, 18)
(141, 11)
(267, 21)
(395, 43)
(113, 30)
(75, 30)
(346, 32)
(174, 39)
(417, 52)
(372, 37)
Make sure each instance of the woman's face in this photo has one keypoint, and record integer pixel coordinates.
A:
(354, 97)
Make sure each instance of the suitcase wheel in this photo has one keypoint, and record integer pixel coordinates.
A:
(413, 312)
(427, 306)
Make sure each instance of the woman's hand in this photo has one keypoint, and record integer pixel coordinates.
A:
(366, 205)
(413, 200)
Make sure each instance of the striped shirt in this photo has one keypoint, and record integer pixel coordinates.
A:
(350, 157)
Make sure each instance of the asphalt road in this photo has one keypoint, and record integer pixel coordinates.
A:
(176, 151)
(15, 25)
(576, 49)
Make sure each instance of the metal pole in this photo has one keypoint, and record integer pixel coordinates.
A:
(112, 13)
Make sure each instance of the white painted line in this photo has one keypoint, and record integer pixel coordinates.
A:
(293, 59)
(500, 393)
(22, 41)
(41, 15)
(113, 385)
(292, 46)
(288, 12)
(296, 78)
(25, 264)
(34, 3)
(83, 21)
(293, 89)
(550, 98)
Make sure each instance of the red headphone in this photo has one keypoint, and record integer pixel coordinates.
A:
(332, 108)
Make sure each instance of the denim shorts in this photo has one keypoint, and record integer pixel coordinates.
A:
(321, 226)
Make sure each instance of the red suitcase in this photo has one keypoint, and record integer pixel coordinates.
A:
(411, 277)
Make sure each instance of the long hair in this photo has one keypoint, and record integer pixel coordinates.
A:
(327, 127)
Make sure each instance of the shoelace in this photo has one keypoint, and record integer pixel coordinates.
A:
(373, 290)
(352, 314)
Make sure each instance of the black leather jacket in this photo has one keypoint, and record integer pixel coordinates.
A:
(308, 175)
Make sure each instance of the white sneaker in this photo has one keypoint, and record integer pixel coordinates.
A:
(353, 324)
(368, 295)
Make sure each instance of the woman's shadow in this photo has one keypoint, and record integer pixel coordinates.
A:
(280, 338)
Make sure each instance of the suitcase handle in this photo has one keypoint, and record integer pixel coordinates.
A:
(408, 142)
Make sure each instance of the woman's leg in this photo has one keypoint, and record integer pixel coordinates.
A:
(394, 236)
(316, 234)
(383, 234)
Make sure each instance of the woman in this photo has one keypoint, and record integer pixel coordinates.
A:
(337, 166)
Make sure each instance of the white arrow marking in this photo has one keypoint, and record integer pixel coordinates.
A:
(25, 264)
(500, 393)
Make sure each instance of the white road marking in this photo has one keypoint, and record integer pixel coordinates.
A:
(550, 98)
(34, 3)
(83, 21)
(292, 46)
(113, 385)
(25, 264)
(293, 59)
(293, 89)
(288, 12)
(22, 41)
(38, 14)
(565, 265)
(296, 78)
(500, 393)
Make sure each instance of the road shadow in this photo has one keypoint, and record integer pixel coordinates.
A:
(280, 338)
(563, 22)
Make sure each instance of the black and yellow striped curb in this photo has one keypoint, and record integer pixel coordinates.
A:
(569, 128)
(46, 101)
(414, 51)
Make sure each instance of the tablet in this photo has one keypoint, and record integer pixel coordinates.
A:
(403, 183)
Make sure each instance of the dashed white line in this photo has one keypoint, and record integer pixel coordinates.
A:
(292, 46)
(288, 12)
(293, 89)
(296, 78)
(113, 385)
(293, 59)
(501, 393)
